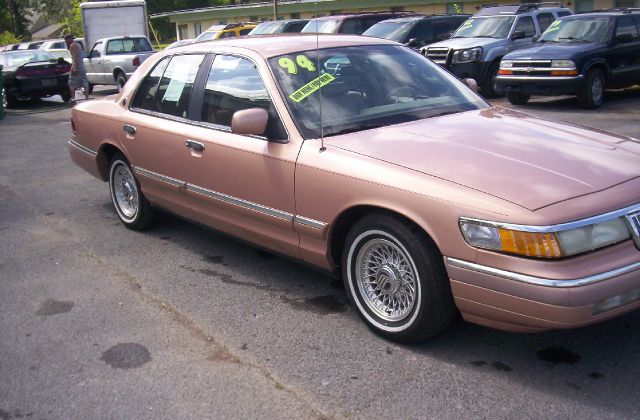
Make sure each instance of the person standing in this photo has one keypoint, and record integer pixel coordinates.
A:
(78, 75)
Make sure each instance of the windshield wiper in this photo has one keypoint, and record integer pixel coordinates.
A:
(353, 129)
(547, 40)
(572, 38)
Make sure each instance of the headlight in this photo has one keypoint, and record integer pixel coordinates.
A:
(506, 64)
(567, 64)
(541, 243)
(463, 56)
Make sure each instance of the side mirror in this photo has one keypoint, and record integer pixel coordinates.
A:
(535, 38)
(517, 35)
(471, 83)
(413, 43)
(624, 38)
(250, 122)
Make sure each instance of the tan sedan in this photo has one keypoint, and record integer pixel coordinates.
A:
(365, 159)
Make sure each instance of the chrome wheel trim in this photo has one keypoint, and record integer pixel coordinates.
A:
(365, 304)
(124, 191)
(597, 90)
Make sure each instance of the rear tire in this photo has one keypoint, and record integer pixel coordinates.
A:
(121, 80)
(517, 98)
(66, 96)
(133, 209)
(395, 279)
(90, 89)
(592, 94)
(8, 100)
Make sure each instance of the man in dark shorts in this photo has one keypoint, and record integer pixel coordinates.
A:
(78, 75)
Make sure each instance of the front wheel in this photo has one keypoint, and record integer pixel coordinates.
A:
(517, 98)
(396, 280)
(490, 88)
(592, 94)
(132, 207)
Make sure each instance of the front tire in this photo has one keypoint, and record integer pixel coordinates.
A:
(490, 88)
(396, 280)
(133, 209)
(592, 94)
(517, 98)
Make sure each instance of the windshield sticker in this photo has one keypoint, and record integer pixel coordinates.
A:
(302, 60)
(554, 26)
(311, 87)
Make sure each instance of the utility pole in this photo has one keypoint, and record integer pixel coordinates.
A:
(275, 9)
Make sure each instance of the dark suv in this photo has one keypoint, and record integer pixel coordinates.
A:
(476, 48)
(417, 31)
(353, 23)
(577, 55)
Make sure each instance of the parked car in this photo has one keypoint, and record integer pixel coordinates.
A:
(179, 43)
(279, 27)
(112, 61)
(424, 197)
(32, 45)
(417, 31)
(230, 30)
(352, 23)
(58, 48)
(577, 55)
(476, 48)
(29, 74)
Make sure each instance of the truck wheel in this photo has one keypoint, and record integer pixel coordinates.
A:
(396, 280)
(66, 96)
(517, 98)
(490, 88)
(592, 94)
(121, 79)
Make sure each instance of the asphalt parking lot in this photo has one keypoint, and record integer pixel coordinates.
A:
(98, 321)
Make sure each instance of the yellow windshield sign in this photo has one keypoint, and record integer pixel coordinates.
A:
(311, 87)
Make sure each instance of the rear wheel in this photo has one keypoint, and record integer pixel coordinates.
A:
(592, 94)
(517, 98)
(66, 96)
(396, 280)
(121, 79)
(8, 100)
(132, 207)
(90, 89)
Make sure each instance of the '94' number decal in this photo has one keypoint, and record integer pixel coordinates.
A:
(301, 60)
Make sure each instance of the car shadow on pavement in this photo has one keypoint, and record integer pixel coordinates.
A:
(613, 99)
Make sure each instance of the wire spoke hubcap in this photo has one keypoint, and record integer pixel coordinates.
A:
(386, 279)
(126, 191)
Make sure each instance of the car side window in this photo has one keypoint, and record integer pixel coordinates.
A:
(296, 27)
(174, 90)
(352, 26)
(544, 20)
(234, 84)
(245, 31)
(525, 24)
(229, 34)
(563, 13)
(95, 51)
(422, 31)
(146, 94)
(626, 26)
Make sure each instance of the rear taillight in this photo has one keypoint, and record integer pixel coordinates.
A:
(136, 61)
(73, 126)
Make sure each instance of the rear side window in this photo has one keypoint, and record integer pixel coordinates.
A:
(229, 34)
(295, 27)
(525, 24)
(58, 45)
(174, 90)
(352, 26)
(131, 45)
(563, 13)
(245, 31)
(147, 91)
(626, 26)
(544, 20)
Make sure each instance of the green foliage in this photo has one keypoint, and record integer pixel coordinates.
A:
(13, 17)
(71, 21)
(7, 38)
(457, 8)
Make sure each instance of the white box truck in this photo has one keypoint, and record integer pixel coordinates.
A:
(107, 19)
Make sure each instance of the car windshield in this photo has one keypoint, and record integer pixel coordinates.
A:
(577, 30)
(485, 27)
(322, 26)
(19, 58)
(359, 88)
(394, 31)
(267, 28)
(207, 36)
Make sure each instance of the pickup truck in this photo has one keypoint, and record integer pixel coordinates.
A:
(112, 61)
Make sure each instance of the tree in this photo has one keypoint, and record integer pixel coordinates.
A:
(13, 17)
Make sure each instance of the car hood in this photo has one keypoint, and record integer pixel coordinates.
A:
(553, 51)
(462, 43)
(527, 161)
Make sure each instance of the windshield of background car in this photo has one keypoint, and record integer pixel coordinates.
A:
(394, 31)
(128, 45)
(322, 26)
(267, 28)
(19, 58)
(578, 30)
(357, 88)
(485, 27)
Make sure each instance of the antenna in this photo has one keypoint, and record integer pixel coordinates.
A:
(322, 148)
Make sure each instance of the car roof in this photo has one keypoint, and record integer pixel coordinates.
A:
(361, 14)
(415, 18)
(603, 13)
(280, 44)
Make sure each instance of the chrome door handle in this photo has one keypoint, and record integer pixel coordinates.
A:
(197, 146)
(129, 129)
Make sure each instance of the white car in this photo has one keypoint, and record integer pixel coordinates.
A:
(58, 48)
